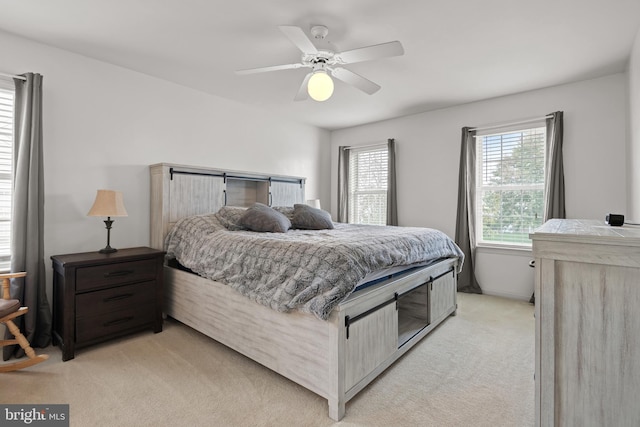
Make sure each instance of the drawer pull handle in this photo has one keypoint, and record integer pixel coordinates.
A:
(118, 273)
(118, 321)
(117, 297)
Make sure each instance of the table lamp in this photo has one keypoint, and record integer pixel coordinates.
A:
(108, 203)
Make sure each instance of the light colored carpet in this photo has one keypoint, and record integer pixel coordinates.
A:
(476, 369)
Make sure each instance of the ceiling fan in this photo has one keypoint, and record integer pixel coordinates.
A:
(323, 60)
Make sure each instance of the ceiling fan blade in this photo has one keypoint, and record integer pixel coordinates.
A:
(356, 80)
(368, 53)
(302, 94)
(298, 38)
(272, 68)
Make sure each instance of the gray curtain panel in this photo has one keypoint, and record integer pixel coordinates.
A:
(554, 188)
(27, 219)
(466, 217)
(554, 179)
(343, 184)
(392, 198)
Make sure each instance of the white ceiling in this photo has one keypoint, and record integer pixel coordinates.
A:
(456, 51)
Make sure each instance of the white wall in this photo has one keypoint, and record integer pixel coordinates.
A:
(104, 125)
(428, 150)
(634, 131)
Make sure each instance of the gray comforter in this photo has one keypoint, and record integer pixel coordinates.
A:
(302, 269)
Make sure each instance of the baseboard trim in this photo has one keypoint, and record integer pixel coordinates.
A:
(507, 295)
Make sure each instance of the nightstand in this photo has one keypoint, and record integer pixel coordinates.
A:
(97, 296)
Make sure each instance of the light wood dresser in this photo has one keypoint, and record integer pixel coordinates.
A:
(587, 291)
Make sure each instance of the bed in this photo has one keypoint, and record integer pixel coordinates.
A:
(334, 348)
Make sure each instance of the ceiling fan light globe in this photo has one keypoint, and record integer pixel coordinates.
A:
(320, 86)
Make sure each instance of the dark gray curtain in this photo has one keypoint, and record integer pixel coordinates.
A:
(466, 217)
(27, 218)
(343, 184)
(554, 169)
(392, 197)
(554, 180)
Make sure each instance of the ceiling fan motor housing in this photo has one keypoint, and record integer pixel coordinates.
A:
(318, 60)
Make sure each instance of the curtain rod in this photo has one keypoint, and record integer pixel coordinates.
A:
(356, 147)
(12, 76)
(534, 119)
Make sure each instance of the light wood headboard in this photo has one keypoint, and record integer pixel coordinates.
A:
(178, 191)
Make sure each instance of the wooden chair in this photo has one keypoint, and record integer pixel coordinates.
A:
(9, 310)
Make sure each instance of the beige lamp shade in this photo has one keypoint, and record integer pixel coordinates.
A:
(108, 203)
(314, 203)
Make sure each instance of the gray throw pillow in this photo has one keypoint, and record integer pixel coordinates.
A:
(229, 216)
(309, 218)
(262, 218)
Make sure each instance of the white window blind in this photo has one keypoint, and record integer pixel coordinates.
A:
(510, 185)
(368, 186)
(6, 152)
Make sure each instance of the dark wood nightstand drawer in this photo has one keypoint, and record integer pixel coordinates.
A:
(98, 276)
(95, 327)
(113, 299)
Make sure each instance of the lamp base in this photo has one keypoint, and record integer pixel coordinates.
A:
(108, 249)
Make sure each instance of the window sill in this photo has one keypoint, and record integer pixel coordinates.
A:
(505, 249)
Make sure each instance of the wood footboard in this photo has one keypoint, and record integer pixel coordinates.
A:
(296, 345)
(336, 358)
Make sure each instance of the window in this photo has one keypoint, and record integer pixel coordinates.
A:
(510, 185)
(368, 185)
(6, 152)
